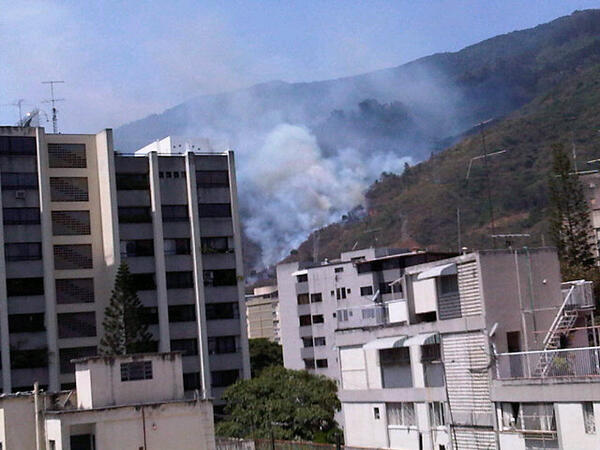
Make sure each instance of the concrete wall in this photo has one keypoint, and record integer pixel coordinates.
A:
(571, 430)
(17, 425)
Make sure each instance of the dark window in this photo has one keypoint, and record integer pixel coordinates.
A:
(318, 318)
(66, 156)
(143, 281)
(136, 370)
(26, 323)
(431, 352)
(449, 284)
(302, 278)
(139, 247)
(17, 145)
(74, 290)
(27, 359)
(66, 223)
(82, 442)
(82, 324)
(67, 354)
(150, 315)
(320, 341)
(24, 251)
(221, 344)
(305, 320)
(366, 290)
(303, 299)
(215, 245)
(339, 269)
(68, 189)
(219, 311)
(307, 342)
(182, 313)
(316, 298)
(223, 378)
(16, 181)
(191, 381)
(340, 293)
(322, 363)
(180, 280)
(135, 214)
(223, 277)
(385, 288)
(394, 356)
(21, 216)
(309, 363)
(214, 210)
(133, 181)
(188, 347)
(175, 213)
(177, 246)
(17, 287)
(212, 178)
(77, 256)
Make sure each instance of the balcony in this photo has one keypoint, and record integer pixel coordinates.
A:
(578, 294)
(372, 315)
(550, 364)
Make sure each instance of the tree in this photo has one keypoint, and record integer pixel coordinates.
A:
(263, 354)
(125, 330)
(290, 404)
(570, 225)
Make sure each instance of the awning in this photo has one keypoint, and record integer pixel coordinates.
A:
(300, 272)
(423, 339)
(438, 271)
(388, 342)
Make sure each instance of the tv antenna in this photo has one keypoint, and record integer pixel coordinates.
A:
(53, 101)
(18, 104)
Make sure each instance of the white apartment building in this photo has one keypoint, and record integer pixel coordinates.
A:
(492, 353)
(72, 209)
(262, 313)
(133, 401)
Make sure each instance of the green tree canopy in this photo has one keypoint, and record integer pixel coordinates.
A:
(125, 330)
(263, 354)
(292, 404)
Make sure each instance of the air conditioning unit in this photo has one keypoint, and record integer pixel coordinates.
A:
(20, 195)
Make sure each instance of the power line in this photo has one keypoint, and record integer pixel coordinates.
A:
(53, 101)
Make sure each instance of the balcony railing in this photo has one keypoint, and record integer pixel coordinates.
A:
(578, 294)
(565, 363)
(371, 315)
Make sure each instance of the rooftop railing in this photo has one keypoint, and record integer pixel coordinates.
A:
(371, 315)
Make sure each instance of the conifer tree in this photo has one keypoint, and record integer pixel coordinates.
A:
(570, 224)
(125, 331)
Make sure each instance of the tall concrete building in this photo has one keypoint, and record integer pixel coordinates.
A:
(72, 210)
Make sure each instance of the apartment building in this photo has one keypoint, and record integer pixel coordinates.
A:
(262, 313)
(591, 191)
(313, 299)
(133, 401)
(72, 210)
(492, 351)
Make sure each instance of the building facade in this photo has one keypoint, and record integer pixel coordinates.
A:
(72, 210)
(492, 353)
(262, 313)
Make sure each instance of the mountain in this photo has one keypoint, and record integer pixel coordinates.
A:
(308, 151)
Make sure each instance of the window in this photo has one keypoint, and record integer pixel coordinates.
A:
(305, 320)
(67, 223)
(528, 416)
(175, 213)
(180, 280)
(376, 414)
(316, 298)
(17, 145)
(309, 363)
(136, 370)
(303, 299)
(81, 324)
(188, 347)
(224, 378)
(321, 363)
(339, 269)
(67, 354)
(318, 318)
(73, 256)
(221, 344)
(214, 210)
(143, 281)
(216, 245)
(219, 311)
(17, 181)
(66, 156)
(307, 342)
(134, 214)
(133, 181)
(394, 356)
(191, 380)
(150, 315)
(177, 247)
(212, 178)
(17, 287)
(431, 352)
(26, 359)
(589, 421)
(182, 313)
(302, 278)
(74, 290)
(437, 415)
(385, 288)
(319, 341)
(366, 290)
(139, 247)
(26, 323)
(68, 189)
(402, 414)
(340, 293)
(223, 277)
(24, 251)
(449, 284)
(21, 216)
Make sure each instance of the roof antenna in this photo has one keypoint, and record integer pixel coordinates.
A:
(53, 101)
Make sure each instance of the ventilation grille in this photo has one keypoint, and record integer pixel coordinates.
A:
(73, 257)
(66, 223)
(76, 290)
(67, 156)
(68, 189)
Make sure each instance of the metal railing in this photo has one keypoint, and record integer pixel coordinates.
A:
(569, 362)
(362, 316)
(577, 294)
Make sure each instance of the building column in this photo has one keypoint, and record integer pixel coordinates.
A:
(160, 273)
(196, 244)
(4, 334)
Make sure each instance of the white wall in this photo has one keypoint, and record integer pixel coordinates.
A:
(571, 430)
(361, 428)
(352, 362)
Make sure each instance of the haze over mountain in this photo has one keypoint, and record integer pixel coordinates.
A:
(306, 152)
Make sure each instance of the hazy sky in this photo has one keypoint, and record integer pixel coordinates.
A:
(123, 60)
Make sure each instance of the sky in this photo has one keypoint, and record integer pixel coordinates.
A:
(124, 60)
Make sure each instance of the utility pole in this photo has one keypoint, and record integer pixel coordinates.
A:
(53, 101)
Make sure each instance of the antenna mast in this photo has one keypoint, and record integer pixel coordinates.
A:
(53, 101)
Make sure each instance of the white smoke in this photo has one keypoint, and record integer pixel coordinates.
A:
(289, 188)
